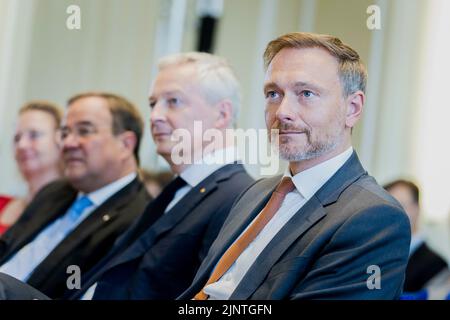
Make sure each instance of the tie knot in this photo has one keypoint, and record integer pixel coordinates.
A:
(178, 182)
(285, 186)
(79, 205)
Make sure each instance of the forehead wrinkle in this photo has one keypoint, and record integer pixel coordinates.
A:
(308, 84)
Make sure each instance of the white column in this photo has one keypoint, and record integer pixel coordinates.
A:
(432, 129)
(15, 27)
(170, 30)
(375, 68)
(16, 19)
(266, 32)
(267, 19)
(168, 40)
(392, 96)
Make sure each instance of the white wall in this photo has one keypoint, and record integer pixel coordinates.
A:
(16, 21)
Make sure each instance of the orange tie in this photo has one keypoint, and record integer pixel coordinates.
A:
(233, 252)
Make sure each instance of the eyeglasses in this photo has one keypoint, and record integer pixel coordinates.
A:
(81, 131)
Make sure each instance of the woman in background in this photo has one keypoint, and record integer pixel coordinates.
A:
(37, 154)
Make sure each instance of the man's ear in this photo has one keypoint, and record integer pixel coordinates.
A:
(129, 141)
(355, 103)
(225, 115)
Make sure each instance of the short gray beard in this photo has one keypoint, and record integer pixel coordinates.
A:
(312, 153)
(314, 150)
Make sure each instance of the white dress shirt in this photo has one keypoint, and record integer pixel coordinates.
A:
(193, 175)
(200, 170)
(22, 264)
(416, 242)
(307, 183)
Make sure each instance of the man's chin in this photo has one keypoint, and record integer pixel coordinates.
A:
(164, 150)
(293, 154)
(74, 174)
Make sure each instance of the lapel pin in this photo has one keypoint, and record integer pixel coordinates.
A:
(106, 217)
(202, 190)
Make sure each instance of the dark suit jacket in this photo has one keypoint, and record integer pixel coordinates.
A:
(85, 245)
(423, 265)
(13, 289)
(325, 250)
(163, 259)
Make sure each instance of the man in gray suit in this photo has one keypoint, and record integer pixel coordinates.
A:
(328, 231)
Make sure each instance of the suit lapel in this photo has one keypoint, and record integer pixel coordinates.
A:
(247, 212)
(170, 219)
(105, 213)
(307, 216)
(163, 224)
(311, 212)
(35, 218)
(253, 201)
(240, 217)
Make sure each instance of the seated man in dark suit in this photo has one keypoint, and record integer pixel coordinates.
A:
(76, 221)
(158, 256)
(326, 229)
(423, 263)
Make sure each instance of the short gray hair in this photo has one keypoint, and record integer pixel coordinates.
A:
(216, 76)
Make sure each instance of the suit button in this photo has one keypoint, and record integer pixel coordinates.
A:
(106, 217)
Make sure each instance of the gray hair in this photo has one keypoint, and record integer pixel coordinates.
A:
(216, 76)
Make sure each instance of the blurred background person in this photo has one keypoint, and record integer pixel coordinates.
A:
(423, 263)
(155, 181)
(37, 155)
(75, 221)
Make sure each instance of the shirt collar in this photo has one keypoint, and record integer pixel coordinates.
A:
(308, 182)
(416, 241)
(211, 162)
(101, 195)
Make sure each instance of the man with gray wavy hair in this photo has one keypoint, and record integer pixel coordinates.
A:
(194, 92)
(158, 257)
(215, 76)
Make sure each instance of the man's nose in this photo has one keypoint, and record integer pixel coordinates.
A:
(158, 112)
(286, 110)
(70, 140)
(23, 142)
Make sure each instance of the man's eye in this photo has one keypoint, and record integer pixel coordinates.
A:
(84, 131)
(152, 104)
(17, 138)
(307, 93)
(173, 101)
(271, 95)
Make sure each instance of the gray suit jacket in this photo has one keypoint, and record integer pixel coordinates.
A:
(328, 247)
